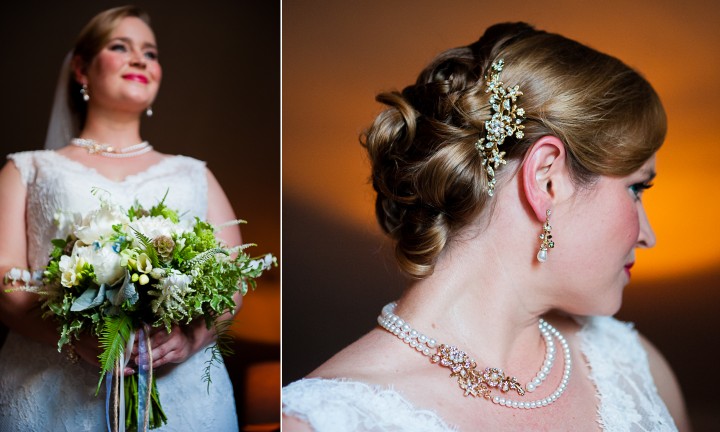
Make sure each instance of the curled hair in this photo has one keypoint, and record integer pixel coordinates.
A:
(428, 176)
(91, 40)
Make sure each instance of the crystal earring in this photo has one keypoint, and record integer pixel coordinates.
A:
(149, 111)
(546, 237)
(84, 92)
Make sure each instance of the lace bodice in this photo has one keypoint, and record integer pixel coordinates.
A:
(59, 187)
(39, 389)
(627, 397)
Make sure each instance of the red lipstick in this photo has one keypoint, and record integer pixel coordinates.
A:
(628, 267)
(136, 77)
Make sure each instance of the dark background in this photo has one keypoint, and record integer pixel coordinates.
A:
(219, 102)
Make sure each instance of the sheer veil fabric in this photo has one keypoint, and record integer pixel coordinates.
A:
(61, 127)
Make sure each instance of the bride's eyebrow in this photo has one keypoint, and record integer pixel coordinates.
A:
(129, 41)
(650, 175)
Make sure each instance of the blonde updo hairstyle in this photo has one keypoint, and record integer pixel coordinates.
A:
(91, 40)
(429, 177)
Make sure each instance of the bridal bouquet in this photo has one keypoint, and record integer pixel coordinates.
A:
(121, 272)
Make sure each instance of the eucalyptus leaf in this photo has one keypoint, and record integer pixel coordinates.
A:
(126, 291)
(89, 299)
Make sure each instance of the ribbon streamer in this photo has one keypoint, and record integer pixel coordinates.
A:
(115, 389)
(145, 377)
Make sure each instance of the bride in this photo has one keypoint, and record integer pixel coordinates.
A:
(108, 83)
(510, 177)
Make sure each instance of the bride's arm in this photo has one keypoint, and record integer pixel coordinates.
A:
(667, 386)
(182, 342)
(19, 310)
(293, 424)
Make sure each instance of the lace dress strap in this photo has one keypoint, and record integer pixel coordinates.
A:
(332, 405)
(619, 368)
(25, 163)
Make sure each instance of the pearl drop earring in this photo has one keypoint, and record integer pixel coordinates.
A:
(149, 111)
(84, 92)
(546, 237)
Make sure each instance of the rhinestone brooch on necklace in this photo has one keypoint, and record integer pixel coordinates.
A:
(107, 150)
(481, 383)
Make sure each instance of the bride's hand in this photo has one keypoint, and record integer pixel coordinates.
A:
(173, 347)
(88, 349)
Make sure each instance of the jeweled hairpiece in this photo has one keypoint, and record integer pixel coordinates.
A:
(506, 121)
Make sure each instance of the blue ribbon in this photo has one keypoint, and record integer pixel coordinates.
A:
(108, 393)
(144, 377)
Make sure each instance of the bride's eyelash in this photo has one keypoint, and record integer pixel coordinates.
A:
(638, 188)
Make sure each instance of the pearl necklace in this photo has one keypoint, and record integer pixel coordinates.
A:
(107, 150)
(477, 383)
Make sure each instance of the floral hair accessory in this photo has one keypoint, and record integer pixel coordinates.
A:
(506, 121)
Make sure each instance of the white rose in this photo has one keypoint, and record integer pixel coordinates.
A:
(97, 225)
(106, 263)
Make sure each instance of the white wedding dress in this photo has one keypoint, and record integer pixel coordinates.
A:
(628, 398)
(40, 390)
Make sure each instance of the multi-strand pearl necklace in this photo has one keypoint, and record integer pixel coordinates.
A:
(107, 150)
(480, 383)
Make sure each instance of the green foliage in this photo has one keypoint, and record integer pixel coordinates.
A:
(197, 278)
(222, 347)
(149, 248)
(160, 209)
(115, 334)
(157, 416)
(58, 247)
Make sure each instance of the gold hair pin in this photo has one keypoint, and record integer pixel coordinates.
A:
(506, 121)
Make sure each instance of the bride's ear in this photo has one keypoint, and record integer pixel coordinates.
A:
(79, 70)
(545, 176)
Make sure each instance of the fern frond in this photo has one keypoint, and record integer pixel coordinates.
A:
(201, 258)
(149, 248)
(222, 347)
(115, 334)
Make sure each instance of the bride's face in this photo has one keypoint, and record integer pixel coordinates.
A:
(595, 244)
(125, 75)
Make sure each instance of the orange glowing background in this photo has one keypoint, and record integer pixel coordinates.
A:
(338, 55)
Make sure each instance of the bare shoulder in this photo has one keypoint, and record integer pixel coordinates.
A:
(360, 361)
(364, 360)
(293, 424)
(667, 385)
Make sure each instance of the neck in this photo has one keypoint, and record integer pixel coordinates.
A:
(121, 130)
(490, 310)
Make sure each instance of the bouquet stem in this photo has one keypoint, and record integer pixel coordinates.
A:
(156, 417)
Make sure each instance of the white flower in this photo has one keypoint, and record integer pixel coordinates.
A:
(68, 278)
(127, 255)
(97, 225)
(144, 265)
(70, 266)
(66, 222)
(156, 226)
(268, 261)
(175, 282)
(15, 274)
(170, 293)
(105, 261)
(157, 273)
(263, 263)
